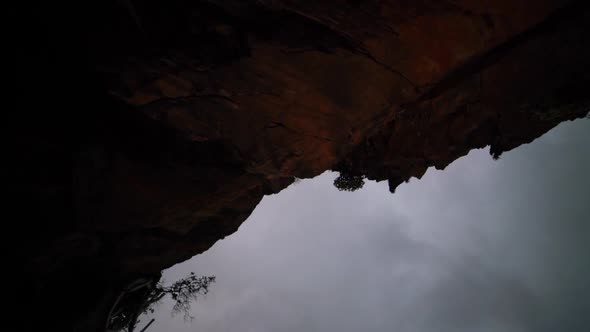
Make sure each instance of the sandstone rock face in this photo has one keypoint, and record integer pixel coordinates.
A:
(145, 132)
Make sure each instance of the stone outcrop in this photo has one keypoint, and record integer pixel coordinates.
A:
(146, 131)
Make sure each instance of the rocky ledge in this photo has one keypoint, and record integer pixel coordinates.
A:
(145, 131)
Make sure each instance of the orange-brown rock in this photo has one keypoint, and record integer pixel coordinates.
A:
(146, 131)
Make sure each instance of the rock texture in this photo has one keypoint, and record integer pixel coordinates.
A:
(146, 131)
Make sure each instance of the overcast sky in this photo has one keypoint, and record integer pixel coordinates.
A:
(482, 246)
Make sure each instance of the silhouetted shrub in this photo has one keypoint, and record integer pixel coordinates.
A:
(186, 290)
(142, 298)
(349, 182)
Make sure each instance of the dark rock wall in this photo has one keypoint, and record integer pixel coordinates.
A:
(143, 131)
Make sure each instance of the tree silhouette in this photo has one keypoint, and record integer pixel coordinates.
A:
(183, 292)
(349, 182)
(143, 295)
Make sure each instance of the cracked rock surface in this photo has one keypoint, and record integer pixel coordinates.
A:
(146, 131)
